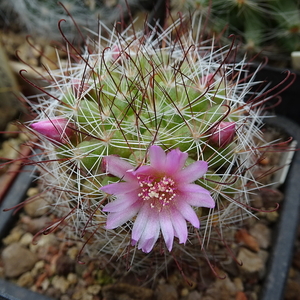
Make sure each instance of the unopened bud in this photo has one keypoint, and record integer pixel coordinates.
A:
(79, 87)
(207, 81)
(57, 129)
(222, 134)
(116, 52)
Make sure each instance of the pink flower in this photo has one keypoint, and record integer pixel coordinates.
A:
(160, 194)
(222, 134)
(57, 129)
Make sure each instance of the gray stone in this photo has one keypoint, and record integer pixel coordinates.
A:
(194, 295)
(251, 262)
(9, 104)
(17, 260)
(25, 280)
(166, 292)
(221, 289)
(60, 283)
(122, 291)
(262, 234)
(37, 207)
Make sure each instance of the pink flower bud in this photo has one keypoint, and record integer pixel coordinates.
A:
(222, 134)
(116, 52)
(207, 80)
(79, 87)
(57, 129)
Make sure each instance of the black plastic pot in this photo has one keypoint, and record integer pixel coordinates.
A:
(282, 252)
(282, 249)
(290, 104)
(16, 194)
(9, 291)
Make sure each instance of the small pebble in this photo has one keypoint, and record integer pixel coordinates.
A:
(14, 236)
(238, 284)
(12, 131)
(17, 260)
(26, 239)
(184, 292)
(45, 284)
(94, 289)
(262, 233)
(72, 278)
(32, 191)
(60, 283)
(25, 280)
(251, 262)
(194, 295)
(37, 207)
(166, 292)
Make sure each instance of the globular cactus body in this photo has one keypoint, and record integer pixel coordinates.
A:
(144, 110)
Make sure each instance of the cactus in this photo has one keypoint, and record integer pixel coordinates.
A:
(265, 26)
(157, 145)
(40, 17)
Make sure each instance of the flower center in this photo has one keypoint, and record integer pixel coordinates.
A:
(159, 192)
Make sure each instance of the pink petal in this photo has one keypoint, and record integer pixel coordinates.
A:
(192, 188)
(120, 188)
(150, 233)
(140, 223)
(118, 167)
(192, 172)
(145, 170)
(122, 202)
(149, 244)
(117, 219)
(188, 213)
(175, 161)
(167, 228)
(200, 200)
(157, 157)
(180, 226)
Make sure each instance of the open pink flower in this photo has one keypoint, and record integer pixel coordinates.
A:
(57, 129)
(160, 194)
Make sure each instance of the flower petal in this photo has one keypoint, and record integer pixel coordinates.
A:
(118, 167)
(166, 228)
(157, 157)
(117, 219)
(122, 202)
(188, 213)
(140, 224)
(179, 225)
(120, 188)
(149, 244)
(192, 188)
(192, 172)
(175, 161)
(199, 199)
(150, 233)
(145, 170)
